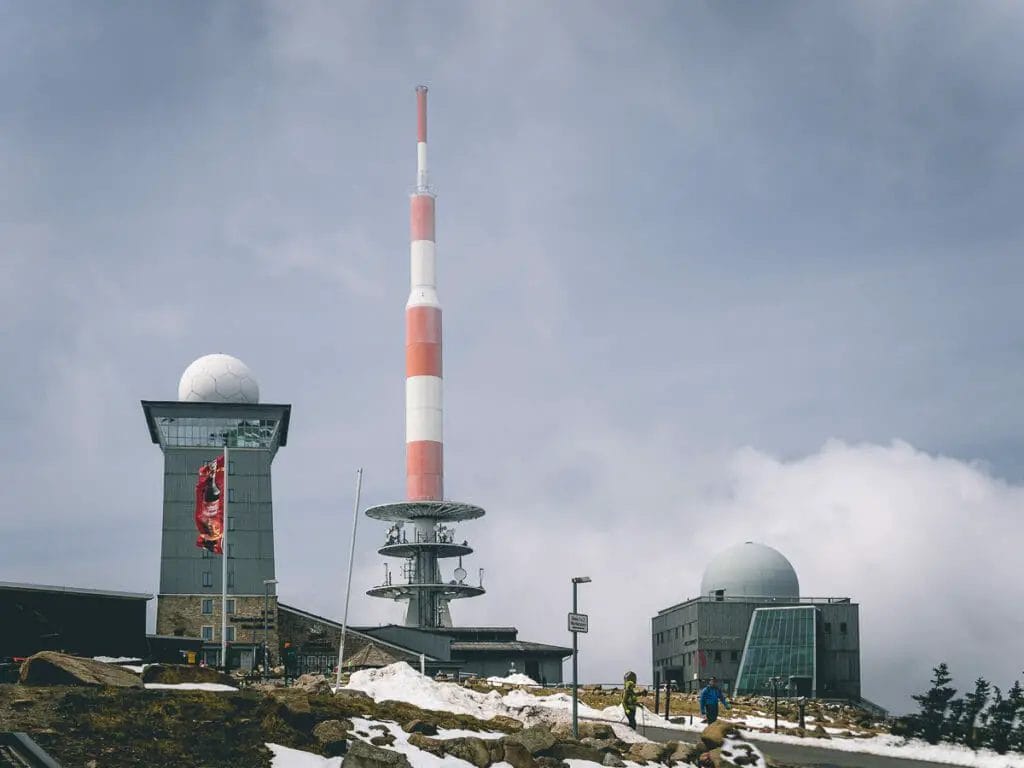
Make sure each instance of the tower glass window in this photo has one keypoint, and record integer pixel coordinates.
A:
(207, 606)
(781, 643)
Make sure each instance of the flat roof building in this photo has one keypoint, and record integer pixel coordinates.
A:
(750, 624)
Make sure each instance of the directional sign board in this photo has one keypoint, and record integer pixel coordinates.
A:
(578, 622)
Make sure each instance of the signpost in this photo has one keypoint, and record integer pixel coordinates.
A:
(578, 622)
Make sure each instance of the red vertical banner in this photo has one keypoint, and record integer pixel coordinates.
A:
(703, 659)
(210, 506)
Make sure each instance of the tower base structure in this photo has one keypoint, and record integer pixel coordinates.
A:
(422, 534)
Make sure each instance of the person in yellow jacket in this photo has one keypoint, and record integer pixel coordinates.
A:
(629, 698)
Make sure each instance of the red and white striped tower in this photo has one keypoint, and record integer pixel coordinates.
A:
(424, 409)
(430, 517)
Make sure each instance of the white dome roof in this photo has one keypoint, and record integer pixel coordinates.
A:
(751, 570)
(218, 379)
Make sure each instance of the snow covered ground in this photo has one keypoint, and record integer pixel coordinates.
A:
(516, 679)
(191, 686)
(400, 682)
(293, 758)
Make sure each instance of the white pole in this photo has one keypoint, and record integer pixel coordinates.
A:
(423, 664)
(224, 571)
(351, 561)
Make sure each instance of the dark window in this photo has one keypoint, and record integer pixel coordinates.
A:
(207, 632)
(206, 554)
(734, 655)
(231, 579)
(842, 627)
(677, 633)
(231, 469)
(718, 655)
(828, 628)
(231, 607)
(207, 579)
(230, 635)
(231, 494)
(208, 606)
(231, 523)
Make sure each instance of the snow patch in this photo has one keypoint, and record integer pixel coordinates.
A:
(516, 679)
(191, 686)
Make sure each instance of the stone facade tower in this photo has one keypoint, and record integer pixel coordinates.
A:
(218, 405)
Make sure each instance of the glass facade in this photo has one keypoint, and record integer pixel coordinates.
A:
(191, 432)
(781, 642)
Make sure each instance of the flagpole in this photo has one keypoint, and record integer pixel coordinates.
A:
(348, 589)
(224, 571)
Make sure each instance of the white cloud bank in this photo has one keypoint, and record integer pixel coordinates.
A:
(927, 545)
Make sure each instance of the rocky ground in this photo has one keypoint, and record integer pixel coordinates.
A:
(92, 715)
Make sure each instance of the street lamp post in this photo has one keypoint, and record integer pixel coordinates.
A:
(575, 668)
(266, 632)
(775, 682)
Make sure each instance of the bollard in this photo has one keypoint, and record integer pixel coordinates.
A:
(657, 691)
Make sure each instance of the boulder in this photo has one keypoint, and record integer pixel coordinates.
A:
(469, 748)
(550, 762)
(612, 760)
(384, 740)
(712, 759)
(819, 732)
(496, 749)
(684, 752)
(574, 750)
(605, 746)
(420, 726)
(316, 684)
(536, 739)
(596, 731)
(172, 674)
(517, 755)
(501, 722)
(350, 694)
(363, 755)
(333, 736)
(52, 668)
(714, 735)
(648, 752)
(427, 744)
(294, 701)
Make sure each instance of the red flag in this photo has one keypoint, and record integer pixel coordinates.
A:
(210, 506)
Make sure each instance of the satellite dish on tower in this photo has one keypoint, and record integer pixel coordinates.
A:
(460, 574)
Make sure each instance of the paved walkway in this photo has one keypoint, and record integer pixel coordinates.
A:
(800, 755)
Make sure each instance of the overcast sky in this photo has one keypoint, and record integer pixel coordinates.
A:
(711, 272)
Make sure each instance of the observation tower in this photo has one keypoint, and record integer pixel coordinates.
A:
(422, 531)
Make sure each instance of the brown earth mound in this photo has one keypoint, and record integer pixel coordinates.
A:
(172, 674)
(52, 668)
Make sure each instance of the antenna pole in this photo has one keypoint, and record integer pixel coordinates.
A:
(348, 589)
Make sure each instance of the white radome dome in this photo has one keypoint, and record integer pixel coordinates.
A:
(751, 570)
(218, 379)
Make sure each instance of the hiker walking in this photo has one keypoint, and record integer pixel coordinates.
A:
(710, 697)
(629, 698)
(291, 663)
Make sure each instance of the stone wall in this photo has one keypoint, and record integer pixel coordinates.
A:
(182, 616)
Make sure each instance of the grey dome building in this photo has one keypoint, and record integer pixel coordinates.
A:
(750, 624)
(751, 570)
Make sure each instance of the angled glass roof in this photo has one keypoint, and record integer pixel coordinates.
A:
(781, 643)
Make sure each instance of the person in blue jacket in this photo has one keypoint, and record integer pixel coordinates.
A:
(710, 697)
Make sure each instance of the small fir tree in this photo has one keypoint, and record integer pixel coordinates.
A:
(974, 706)
(1016, 697)
(931, 720)
(1001, 716)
